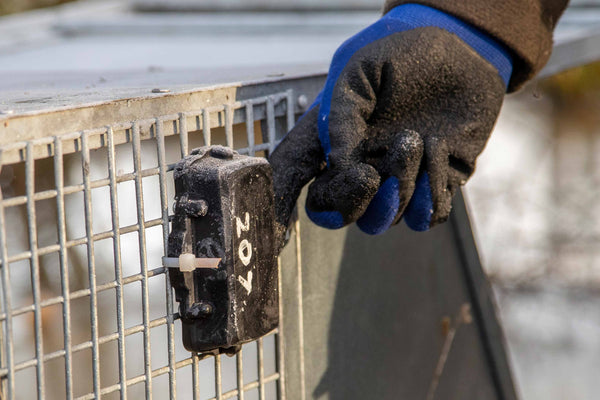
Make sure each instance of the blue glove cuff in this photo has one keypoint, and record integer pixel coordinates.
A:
(421, 16)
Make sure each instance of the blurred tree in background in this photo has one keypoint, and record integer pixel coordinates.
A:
(15, 6)
(576, 89)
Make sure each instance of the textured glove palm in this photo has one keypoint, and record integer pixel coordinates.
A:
(408, 105)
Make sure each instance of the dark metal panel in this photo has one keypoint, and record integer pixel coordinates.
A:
(483, 301)
(291, 321)
(396, 316)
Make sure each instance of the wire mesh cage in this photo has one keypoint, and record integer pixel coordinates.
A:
(87, 307)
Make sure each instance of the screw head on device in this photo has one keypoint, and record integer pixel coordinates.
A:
(190, 207)
(197, 208)
(199, 310)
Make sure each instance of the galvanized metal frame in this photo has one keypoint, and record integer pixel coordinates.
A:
(255, 105)
(483, 303)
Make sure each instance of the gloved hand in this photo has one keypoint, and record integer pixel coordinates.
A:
(407, 107)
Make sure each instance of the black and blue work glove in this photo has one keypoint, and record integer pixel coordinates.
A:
(408, 105)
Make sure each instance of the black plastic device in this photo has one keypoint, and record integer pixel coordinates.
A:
(221, 256)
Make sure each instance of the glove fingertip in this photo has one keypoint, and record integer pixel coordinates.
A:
(419, 211)
(382, 210)
(326, 219)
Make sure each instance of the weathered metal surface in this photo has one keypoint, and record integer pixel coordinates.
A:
(403, 315)
(207, 108)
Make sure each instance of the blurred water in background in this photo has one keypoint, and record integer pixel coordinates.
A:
(535, 210)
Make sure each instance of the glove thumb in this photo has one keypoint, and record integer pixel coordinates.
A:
(295, 162)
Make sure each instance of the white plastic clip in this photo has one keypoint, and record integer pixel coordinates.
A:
(188, 262)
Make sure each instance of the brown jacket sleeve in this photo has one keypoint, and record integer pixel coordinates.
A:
(524, 26)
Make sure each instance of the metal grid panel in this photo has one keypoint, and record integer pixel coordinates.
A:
(87, 309)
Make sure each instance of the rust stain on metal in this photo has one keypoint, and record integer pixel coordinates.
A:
(463, 317)
(446, 323)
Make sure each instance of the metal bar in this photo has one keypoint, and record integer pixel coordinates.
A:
(180, 364)
(49, 194)
(164, 205)
(114, 208)
(87, 194)
(183, 135)
(271, 123)
(280, 339)
(14, 151)
(299, 293)
(206, 127)
(84, 292)
(256, 148)
(291, 117)
(261, 369)
(63, 123)
(35, 268)
(484, 308)
(3, 394)
(228, 125)
(250, 128)
(38, 138)
(250, 386)
(77, 242)
(136, 380)
(8, 346)
(196, 376)
(218, 385)
(165, 370)
(139, 195)
(88, 345)
(64, 263)
(239, 367)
